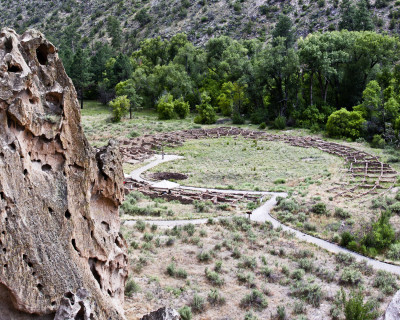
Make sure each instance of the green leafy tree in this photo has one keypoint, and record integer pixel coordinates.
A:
(80, 72)
(206, 113)
(355, 17)
(120, 107)
(284, 29)
(115, 32)
(127, 88)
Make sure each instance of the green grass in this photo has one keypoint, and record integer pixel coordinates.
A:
(99, 129)
(245, 165)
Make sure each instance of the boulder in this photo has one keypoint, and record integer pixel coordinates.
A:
(59, 197)
(164, 313)
(393, 310)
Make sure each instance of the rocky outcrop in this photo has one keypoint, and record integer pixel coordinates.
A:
(393, 310)
(59, 198)
(163, 314)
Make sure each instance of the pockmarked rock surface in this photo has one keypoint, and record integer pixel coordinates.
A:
(59, 197)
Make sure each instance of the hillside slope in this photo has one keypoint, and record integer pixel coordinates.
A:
(199, 19)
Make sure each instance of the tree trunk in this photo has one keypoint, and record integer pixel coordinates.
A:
(81, 98)
(311, 88)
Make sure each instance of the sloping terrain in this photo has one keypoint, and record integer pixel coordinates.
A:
(200, 19)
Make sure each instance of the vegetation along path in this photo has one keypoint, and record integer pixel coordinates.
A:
(261, 214)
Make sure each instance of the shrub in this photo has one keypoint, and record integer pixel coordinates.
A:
(395, 208)
(298, 274)
(319, 208)
(248, 262)
(204, 256)
(250, 316)
(165, 107)
(345, 124)
(181, 108)
(356, 309)
(377, 142)
(350, 276)
(346, 238)
(382, 234)
(120, 107)
(281, 312)
(386, 282)
(206, 112)
(394, 251)
(341, 213)
(279, 123)
(237, 118)
(215, 298)
(185, 313)
(306, 264)
(197, 303)
(311, 292)
(131, 288)
(255, 299)
(140, 225)
(190, 229)
(214, 277)
(262, 126)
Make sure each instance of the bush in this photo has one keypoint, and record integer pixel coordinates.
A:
(197, 303)
(255, 300)
(319, 208)
(395, 208)
(377, 142)
(341, 213)
(345, 258)
(386, 282)
(165, 107)
(215, 298)
(204, 256)
(298, 274)
(181, 108)
(185, 313)
(350, 276)
(306, 264)
(131, 288)
(346, 238)
(262, 126)
(382, 234)
(140, 225)
(279, 123)
(345, 124)
(214, 277)
(206, 113)
(311, 292)
(394, 251)
(356, 309)
(237, 118)
(120, 107)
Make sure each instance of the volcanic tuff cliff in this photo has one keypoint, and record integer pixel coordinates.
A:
(59, 198)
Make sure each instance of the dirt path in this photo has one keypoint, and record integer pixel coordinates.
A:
(261, 214)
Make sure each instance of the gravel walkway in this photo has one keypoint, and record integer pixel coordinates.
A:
(261, 214)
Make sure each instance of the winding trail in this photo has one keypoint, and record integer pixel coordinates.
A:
(261, 214)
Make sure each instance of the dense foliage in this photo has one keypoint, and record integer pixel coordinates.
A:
(344, 81)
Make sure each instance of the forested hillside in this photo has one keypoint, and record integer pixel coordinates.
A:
(72, 21)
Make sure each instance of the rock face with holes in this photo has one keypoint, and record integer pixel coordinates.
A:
(59, 198)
